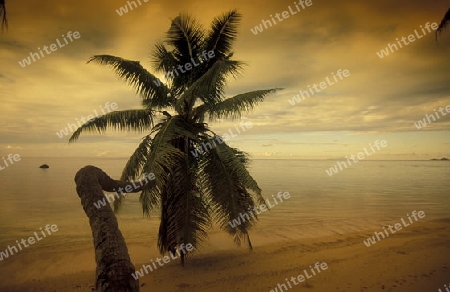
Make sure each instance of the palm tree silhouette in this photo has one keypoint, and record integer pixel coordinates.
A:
(114, 267)
(3, 19)
(444, 22)
(193, 189)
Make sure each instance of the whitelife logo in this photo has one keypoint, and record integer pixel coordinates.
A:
(411, 38)
(317, 267)
(124, 9)
(284, 14)
(423, 123)
(371, 240)
(128, 189)
(360, 155)
(10, 250)
(145, 268)
(26, 62)
(205, 56)
(87, 120)
(323, 85)
(262, 208)
(447, 288)
(208, 146)
(11, 158)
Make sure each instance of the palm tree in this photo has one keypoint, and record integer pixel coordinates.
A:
(114, 267)
(192, 191)
(444, 22)
(3, 19)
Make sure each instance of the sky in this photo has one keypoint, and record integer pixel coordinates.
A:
(379, 99)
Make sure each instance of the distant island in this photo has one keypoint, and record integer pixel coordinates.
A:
(443, 158)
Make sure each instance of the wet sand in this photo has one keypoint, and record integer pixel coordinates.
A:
(417, 258)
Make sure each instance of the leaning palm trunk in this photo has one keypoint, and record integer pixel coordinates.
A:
(114, 267)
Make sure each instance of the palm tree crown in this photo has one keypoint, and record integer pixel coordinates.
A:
(192, 191)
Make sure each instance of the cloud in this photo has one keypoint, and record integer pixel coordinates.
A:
(380, 96)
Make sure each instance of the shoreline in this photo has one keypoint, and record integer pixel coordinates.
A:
(408, 261)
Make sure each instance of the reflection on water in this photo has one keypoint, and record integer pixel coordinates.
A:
(364, 196)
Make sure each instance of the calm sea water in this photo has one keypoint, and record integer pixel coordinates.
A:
(361, 197)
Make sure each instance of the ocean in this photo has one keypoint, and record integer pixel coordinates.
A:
(365, 196)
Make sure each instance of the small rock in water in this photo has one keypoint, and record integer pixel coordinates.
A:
(44, 166)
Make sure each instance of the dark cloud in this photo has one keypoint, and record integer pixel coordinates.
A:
(381, 95)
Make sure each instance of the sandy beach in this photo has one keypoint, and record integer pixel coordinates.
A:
(415, 259)
(313, 132)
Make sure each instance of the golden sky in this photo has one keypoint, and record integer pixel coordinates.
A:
(380, 99)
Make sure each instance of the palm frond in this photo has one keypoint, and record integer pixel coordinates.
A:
(233, 107)
(240, 161)
(145, 83)
(223, 33)
(3, 18)
(163, 60)
(164, 156)
(126, 120)
(136, 161)
(444, 22)
(191, 189)
(186, 36)
(226, 181)
(184, 214)
(210, 87)
(134, 166)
